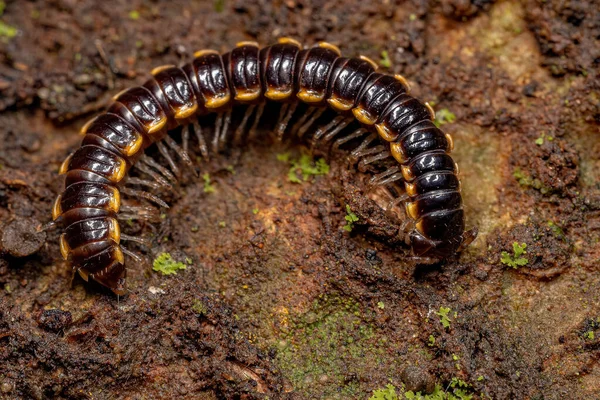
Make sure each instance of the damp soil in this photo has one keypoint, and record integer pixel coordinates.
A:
(278, 299)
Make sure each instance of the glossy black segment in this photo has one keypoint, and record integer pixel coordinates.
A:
(431, 161)
(98, 160)
(436, 180)
(175, 88)
(404, 112)
(347, 79)
(442, 224)
(423, 137)
(243, 70)
(377, 93)
(277, 66)
(139, 108)
(210, 80)
(80, 175)
(80, 214)
(423, 247)
(88, 195)
(88, 231)
(114, 130)
(314, 71)
(438, 200)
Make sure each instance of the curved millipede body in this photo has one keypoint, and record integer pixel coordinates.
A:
(316, 78)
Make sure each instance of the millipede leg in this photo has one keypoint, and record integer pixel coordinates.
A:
(224, 130)
(354, 135)
(144, 195)
(131, 254)
(215, 139)
(148, 213)
(282, 125)
(302, 120)
(368, 160)
(165, 153)
(259, 113)
(178, 150)
(239, 132)
(329, 131)
(377, 178)
(185, 138)
(143, 182)
(150, 162)
(311, 121)
(136, 239)
(200, 137)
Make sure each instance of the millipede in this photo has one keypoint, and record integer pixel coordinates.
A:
(318, 94)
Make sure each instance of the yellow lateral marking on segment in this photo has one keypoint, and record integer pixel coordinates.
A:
(431, 111)
(407, 173)
(309, 96)
(114, 203)
(87, 125)
(450, 142)
(403, 81)
(288, 40)
(216, 102)
(411, 210)
(158, 70)
(367, 59)
(411, 189)
(204, 52)
(385, 133)
(247, 95)
(56, 208)
(363, 116)
(119, 255)
(246, 43)
(64, 246)
(419, 227)
(156, 126)
(65, 165)
(84, 274)
(120, 172)
(340, 104)
(134, 146)
(116, 96)
(186, 111)
(398, 152)
(114, 231)
(276, 94)
(332, 47)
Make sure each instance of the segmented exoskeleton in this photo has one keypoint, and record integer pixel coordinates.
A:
(285, 73)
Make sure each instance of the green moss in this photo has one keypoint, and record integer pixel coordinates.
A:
(556, 230)
(350, 218)
(589, 335)
(323, 342)
(385, 61)
(380, 305)
(387, 393)
(444, 116)
(526, 181)
(515, 260)
(431, 341)
(134, 15)
(208, 187)
(305, 166)
(255, 211)
(444, 319)
(219, 5)
(199, 307)
(455, 390)
(166, 265)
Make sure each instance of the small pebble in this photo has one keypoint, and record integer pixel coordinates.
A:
(20, 237)
(417, 380)
(54, 320)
